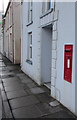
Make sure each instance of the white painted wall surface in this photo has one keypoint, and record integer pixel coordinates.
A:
(76, 58)
(64, 91)
(32, 70)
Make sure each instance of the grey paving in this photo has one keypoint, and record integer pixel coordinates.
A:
(0, 105)
(16, 94)
(25, 97)
(1, 87)
(44, 98)
(2, 64)
(31, 85)
(10, 79)
(44, 108)
(11, 83)
(13, 88)
(0, 80)
(7, 110)
(1, 60)
(26, 80)
(27, 112)
(23, 101)
(12, 67)
(7, 75)
(4, 96)
(61, 114)
(21, 75)
(37, 90)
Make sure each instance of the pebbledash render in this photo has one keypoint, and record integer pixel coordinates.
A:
(49, 48)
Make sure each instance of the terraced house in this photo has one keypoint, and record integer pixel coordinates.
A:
(12, 32)
(1, 36)
(48, 47)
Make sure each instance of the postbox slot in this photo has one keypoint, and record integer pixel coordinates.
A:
(67, 50)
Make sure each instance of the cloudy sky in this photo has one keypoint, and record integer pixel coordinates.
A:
(5, 3)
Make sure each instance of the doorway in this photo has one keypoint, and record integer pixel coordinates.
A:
(46, 56)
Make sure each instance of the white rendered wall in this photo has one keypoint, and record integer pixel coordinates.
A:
(32, 70)
(64, 91)
(76, 58)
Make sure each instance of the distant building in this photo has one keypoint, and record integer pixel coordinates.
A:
(1, 35)
(49, 48)
(12, 32)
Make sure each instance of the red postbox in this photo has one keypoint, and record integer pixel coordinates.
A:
(68, 54)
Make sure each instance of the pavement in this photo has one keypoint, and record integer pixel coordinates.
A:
(0, 94)
(22, 98)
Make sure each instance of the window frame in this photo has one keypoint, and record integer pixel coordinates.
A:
(46, 6)
(30, 46)
(30, 11)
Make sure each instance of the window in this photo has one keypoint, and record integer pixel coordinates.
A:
(30, 46)
(30, 5)
(46, 5)
(10, 15)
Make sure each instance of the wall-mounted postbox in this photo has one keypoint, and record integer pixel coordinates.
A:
(68, 54)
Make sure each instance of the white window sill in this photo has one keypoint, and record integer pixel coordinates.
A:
(46, 13)
(29, 61)
(29, 23)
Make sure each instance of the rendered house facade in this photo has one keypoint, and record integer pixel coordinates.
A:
(12, 33)
(48, 37)
(1, 35)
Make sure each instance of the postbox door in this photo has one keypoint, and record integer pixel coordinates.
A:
(68, 54)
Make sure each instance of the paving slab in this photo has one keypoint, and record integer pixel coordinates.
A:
(0, 107)
(28, 91)
(1, 60)
(3, 68)
(16, 94)
(4, 98)
(13, 88)
(27, 112)
(61, 114)
(1, 87)
(10, 79)
(7, 110)
(44, 98)
(23, 101)
(26, 80)
(2, 64)
(12, 67)
(44, 108)
(0, 81)
(11, 83)
(7, 74)
(21, 75)
(32, 85)
(37, 90)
